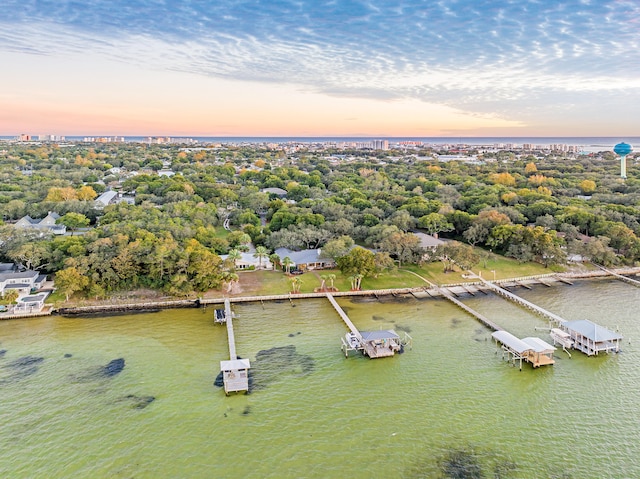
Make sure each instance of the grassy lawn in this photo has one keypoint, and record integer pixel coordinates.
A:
(221, 232)
(504, 268)
(268, 282)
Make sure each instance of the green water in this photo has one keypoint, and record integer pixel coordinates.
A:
(357, 418)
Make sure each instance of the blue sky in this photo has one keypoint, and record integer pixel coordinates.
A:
(522, 67)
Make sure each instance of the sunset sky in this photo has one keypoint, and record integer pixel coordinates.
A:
(320, 68)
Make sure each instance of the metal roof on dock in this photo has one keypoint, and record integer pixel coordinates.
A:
(591, 330)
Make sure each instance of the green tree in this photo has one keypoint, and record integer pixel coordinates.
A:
(287, 263)
(296, 283)
(73, 221)
(435, 223)
(358, 261)
(261, 253)
(234, 256)
(275, 260)
(70, 280)
(11, 295)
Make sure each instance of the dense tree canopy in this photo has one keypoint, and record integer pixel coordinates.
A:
(532, 208)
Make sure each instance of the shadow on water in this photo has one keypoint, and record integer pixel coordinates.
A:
(469, 462)
(113, 368)
(137, 402)
(21, 368)
(271, 365)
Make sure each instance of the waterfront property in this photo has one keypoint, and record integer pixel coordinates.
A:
(533, 350)
(22, 281)
(591, 338)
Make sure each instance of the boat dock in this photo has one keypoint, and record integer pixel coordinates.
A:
(533, 350)
(374, 344)
(235, 372)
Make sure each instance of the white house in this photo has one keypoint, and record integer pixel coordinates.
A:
(24, 281)
(247, 260)
(46, 224)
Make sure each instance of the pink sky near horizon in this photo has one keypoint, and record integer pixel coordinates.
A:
(80, 96)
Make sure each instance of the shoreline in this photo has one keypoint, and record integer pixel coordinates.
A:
(421, 292)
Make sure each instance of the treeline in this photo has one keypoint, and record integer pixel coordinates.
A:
(531, 209)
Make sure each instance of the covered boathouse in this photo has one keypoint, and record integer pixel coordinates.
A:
(533, 350)
(591, 338)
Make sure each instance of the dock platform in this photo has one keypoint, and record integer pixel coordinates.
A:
(374, 344)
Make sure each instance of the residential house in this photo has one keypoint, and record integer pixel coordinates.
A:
(247, 261)
(275, 191)
(107, 198)
(307, 259)
(22, 281)
(46, 224)
(428, 242)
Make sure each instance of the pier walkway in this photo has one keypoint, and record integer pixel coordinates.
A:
(634, 282)
(235, 372)
(484, 320)
(344, 317)
(552, 317)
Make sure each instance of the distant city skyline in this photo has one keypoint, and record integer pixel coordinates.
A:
(320, 68)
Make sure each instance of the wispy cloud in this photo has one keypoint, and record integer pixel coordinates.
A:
(509, 57)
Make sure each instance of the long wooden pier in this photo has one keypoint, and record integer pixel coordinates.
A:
(552, 317)
(230, 335)
(484, 320)
(632, 281)
(235, 372)
(344, 317)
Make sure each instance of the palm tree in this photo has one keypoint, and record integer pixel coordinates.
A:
(355, 280)
(261, 253)
(11, 296)
(324, 278)
(229, 278)
(287, 262)
(234, 255)
(295, 284)
(331, 277)
(275, 260)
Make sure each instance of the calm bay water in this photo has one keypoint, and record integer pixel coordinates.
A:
(315, 414)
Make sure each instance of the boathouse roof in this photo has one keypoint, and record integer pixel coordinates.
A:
(235, 364)
(538, 345)
(513, 343)
(591, 330)
(382, 334)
